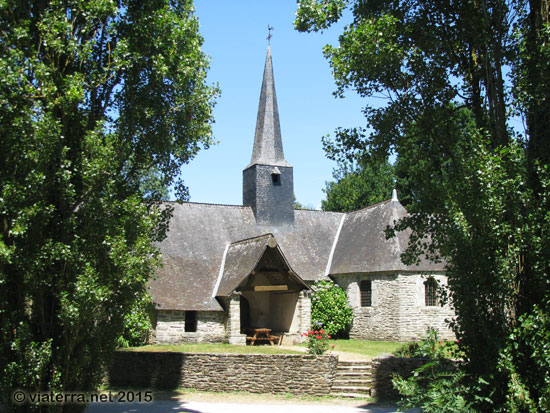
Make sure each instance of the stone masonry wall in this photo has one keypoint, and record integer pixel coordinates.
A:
(170, 327)
(255, 373)
(398, 311)
(384, 367)
(414, 316)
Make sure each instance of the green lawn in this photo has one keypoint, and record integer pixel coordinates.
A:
(367, 348)
(215, 348)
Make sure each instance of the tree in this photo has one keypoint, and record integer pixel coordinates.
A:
(478, 187)
(356, 187)
(97, 97)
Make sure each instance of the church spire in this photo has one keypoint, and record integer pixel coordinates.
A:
(268, 145)
(268, 182)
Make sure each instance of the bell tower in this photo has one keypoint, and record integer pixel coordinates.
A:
(268, 186)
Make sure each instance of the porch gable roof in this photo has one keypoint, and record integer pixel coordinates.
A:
(241, 259)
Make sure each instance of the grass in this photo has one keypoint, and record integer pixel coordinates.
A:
(366, 348)
(214, 348)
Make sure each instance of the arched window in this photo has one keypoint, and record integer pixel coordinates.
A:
(365, 288)
(430, 292)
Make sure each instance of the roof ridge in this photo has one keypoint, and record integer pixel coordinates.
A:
(205, 204)
(259, 237)
(386, 201)
(319, 210)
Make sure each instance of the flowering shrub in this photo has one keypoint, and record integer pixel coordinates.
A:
(317, 341)
(330, 307)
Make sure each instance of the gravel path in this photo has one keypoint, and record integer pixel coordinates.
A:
(184, 404)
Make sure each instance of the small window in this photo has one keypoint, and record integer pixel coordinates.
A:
(190, 321)
(366, 293)
(430, 292)
(276, 179)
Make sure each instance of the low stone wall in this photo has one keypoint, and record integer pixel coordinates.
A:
(384, 367)
(255, 373)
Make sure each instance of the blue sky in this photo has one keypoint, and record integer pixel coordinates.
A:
(235, 38)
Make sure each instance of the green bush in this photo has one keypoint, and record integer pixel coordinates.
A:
(137, 325)
(438, 385)
(330, 309)
(430, 347)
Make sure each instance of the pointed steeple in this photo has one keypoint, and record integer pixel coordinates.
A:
(268, 145)
(268, 182)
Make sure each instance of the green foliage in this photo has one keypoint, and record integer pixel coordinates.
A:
(137, 324)
(101, 102)
(434, 391)
(438, 385)
(528, 349)
(479, 190)
(357, 187)
(330, 309)
(317, 340)
(430, 347)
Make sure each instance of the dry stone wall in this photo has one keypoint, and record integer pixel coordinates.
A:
(255, 373)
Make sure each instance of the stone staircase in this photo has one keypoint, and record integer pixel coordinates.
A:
(353, 379)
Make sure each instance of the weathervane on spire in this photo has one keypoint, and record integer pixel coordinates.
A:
(269, 35)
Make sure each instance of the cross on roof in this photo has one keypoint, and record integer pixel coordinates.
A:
(269, 35)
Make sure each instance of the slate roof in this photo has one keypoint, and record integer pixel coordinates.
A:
(200, 233)
(197, 238)
(242, 257)
(362, 246)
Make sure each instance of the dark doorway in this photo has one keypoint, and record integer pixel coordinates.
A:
(245, 315)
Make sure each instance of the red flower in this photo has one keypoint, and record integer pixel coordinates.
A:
(328, 336)
(316, 332)
(458, 341)
(333, 346)
(319, 337)
(322, 331)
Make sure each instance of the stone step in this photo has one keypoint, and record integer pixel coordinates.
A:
(350, 395)
(350, 390)
(354, 367)
(362, 384)
(353, 379)
(353, 374)
(354, 362)
(366, 382)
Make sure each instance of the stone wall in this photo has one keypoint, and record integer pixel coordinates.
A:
(255, 373)
(170, 327)
(398, 311)
(382, 370)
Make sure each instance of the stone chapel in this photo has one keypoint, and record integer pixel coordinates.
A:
(228, 269)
